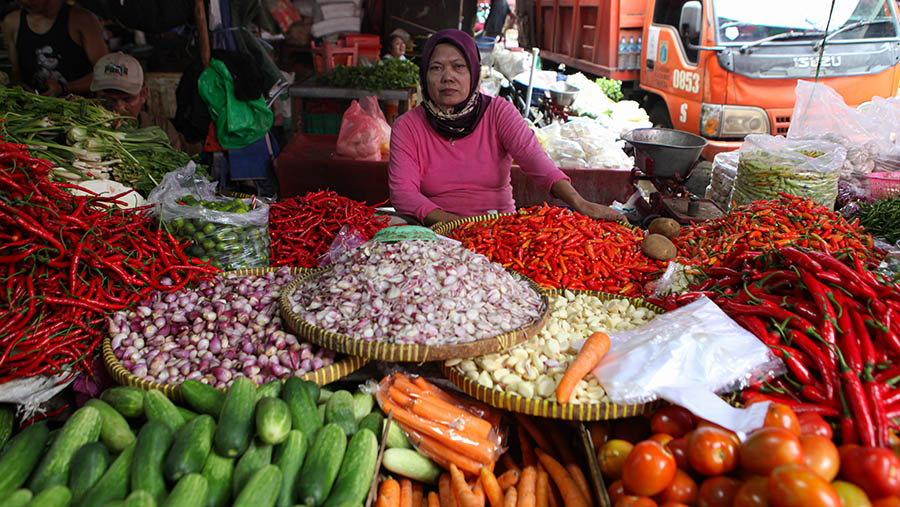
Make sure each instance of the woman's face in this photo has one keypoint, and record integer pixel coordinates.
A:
(398, 47)
(448, 76)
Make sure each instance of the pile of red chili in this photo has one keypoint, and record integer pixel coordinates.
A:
(765, 225)
(66, 262)
(558, 248)
(835, 324)
(303, 228)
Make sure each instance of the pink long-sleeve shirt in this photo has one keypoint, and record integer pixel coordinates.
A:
(467, 176)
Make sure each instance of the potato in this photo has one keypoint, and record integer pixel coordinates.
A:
(657, 246)
(665, 226)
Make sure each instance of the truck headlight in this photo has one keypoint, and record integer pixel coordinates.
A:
(732, 121)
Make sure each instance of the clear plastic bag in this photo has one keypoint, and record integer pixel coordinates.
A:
(721, 182)
(768, 165)
(360, 136)
(346, 239)
(686, 356)
(446, 428)
(230, 233)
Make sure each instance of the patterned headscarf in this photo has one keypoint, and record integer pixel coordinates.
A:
(462, 119)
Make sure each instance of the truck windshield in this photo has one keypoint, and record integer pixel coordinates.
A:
(740, 21)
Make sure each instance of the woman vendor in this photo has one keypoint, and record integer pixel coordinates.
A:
(451, 156)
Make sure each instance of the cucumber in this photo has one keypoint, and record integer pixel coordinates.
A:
(7, 422)
(159, 408)
(339, 410)
(362, 405)
(235, 428)
(114, 429)
(113, 485)
(271, 389)
(153, 443)
(273, 420)
(322, 464)
(54, 496)
(257, 456)
(372, 422)
(304, 415)
(313, 390)
(128, 401)
(357, 470)
(24, 451)
(289, 458)
(190, 448)
(203, 398)
(324, 395)
(139, 498)
(409, 463)
(18, 498)
(262, 488)
(189, 492)
(218, 472)
(81, 428)
(187, 413)
(88, 466)
(321, 411)
(395, 438)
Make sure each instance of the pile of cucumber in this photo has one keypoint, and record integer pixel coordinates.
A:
(276, 444)
(225, 246)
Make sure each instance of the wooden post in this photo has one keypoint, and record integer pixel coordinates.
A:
(202, 31)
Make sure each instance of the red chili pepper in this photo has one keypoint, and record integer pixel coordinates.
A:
(750, 396)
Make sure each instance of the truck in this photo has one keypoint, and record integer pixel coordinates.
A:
(724, 69)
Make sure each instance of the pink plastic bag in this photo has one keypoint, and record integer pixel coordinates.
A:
(361, 135)
(370, 105)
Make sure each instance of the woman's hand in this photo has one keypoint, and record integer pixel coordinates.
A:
(601, 212)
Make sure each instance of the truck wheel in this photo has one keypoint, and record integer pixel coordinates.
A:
(659, 115)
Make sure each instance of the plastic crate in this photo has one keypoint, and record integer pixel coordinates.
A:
(884, 185)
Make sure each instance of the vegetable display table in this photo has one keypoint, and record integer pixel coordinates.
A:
(309, 163)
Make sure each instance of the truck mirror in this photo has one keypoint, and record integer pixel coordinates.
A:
(691, 17)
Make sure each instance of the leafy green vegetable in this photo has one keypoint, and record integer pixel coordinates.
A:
(389, 74)
(611, 87)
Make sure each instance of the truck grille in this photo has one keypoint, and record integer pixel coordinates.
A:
(781, 124)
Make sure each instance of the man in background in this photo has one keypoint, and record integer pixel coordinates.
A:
(53, 46)
(118, 79)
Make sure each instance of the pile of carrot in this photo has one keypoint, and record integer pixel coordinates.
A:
(545, 475)
(447, 429)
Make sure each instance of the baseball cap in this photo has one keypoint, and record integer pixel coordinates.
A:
(118, 71)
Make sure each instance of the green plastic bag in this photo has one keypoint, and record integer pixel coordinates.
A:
(239, 123)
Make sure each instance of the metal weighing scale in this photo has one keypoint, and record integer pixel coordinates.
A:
(666, 158)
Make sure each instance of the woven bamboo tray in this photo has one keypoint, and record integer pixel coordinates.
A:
(322, 376)
(445, 228)
(540, 407)
(396, 352)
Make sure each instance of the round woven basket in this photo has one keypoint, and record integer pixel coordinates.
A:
(322, 376)
(397, 352)
(540, 407)
(445, 228)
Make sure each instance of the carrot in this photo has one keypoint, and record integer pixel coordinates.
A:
(482, 410)
(509, 463)
(464, 495)
(554, 500)
(508, 479)
(406, 493)
(511, 498)
(480, 450)
(528, 458)
(399, 397)
(491, 487)
(539, 438)
(446, 492)
(593, 350)
(579, 478)
(442, 455)
(417, 494)
(571, 493)
(527, 486)
(568, 459)
(434, 500)
(542, 489)
(389, 494)
(478, 491)
(436, 410)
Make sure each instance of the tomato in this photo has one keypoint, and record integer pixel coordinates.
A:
(661, 438)
(615, 491)
(821, 456)
(797, 486)
(767, 448)
(711, 451)
(851, 494)
(612, 457)
(673, 420)
(842, 450)
(678, 447)
(635, 501)
(812, 423)
(888, 501)
(876, 470)
(718, 492)
(682, 489)
(632, 429)
(599, 434)
(673, 504)
(782, 416)
(648, 469)
(754, 493)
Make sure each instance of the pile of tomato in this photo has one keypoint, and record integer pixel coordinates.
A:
(790, 461)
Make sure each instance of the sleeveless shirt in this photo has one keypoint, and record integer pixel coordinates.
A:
(50, 55)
